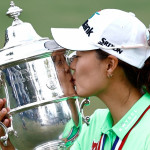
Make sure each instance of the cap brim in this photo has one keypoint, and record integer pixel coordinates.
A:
(72, 39)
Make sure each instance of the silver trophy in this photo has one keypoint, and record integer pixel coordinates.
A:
(28, 79)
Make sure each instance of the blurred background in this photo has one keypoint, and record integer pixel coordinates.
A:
(44, 14)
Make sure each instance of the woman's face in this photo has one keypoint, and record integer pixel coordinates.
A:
(89, 73)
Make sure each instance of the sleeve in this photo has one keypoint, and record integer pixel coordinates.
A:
(75, 146)
(147, 143)
(71, 131)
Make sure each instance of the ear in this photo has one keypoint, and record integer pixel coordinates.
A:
(112, 63)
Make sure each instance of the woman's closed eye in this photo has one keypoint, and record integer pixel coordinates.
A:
(73, 58)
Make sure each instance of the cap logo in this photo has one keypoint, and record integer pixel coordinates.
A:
(88, 30)
(97, 13)
(106, 43)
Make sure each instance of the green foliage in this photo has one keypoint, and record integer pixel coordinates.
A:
(44, 14)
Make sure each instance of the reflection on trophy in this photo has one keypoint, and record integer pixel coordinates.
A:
(39, 109)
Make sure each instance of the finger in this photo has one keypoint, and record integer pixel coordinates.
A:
(65, 64)
(59, 62)
(8, 109)
(61, 52)
(57, 53)
(3, 112)
(4, 100)
(2, 103)
(7, 122)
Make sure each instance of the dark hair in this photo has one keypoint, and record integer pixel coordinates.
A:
(139, 78)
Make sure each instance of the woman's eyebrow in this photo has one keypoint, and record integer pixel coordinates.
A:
(79, 52)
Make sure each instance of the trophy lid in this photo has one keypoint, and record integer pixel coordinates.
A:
(20, 32)
(22, 41)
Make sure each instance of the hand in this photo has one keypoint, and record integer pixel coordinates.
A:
(63, 73)
(6, 121)
(65, 78)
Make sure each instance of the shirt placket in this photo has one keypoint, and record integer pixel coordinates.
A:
(109, 139)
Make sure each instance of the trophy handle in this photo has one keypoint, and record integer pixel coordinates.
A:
(4, 138)
(85, 102)
(6, 130)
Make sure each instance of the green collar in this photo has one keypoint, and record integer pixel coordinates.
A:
(129, 119)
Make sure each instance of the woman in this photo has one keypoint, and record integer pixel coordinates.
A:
(112, 63)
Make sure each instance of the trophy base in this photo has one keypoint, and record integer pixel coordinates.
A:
(53, 145)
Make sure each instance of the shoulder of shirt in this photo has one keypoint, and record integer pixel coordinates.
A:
(101, 111)
(147, 142)
(97, 118)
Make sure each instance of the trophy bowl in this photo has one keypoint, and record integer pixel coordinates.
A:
(40, 113)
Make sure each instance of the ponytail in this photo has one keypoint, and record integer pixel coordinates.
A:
(144, 76)
(144, 73)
